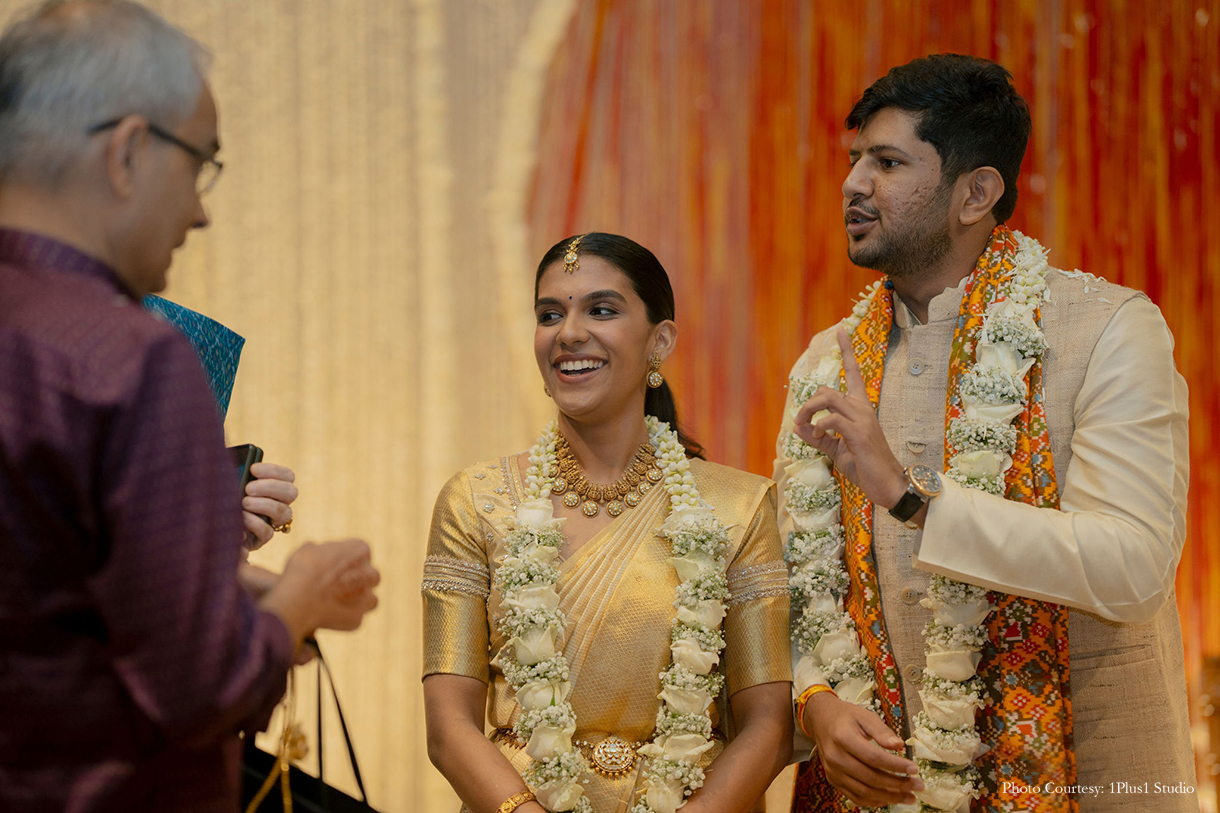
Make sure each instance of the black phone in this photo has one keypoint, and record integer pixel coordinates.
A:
(245, 456)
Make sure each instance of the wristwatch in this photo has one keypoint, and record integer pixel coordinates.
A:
(923, 483)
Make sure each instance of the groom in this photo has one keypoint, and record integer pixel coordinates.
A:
(1082, 672)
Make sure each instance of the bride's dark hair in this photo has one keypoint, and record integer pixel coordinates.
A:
(651, 284)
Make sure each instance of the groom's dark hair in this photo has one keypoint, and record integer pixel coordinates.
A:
(968, 110)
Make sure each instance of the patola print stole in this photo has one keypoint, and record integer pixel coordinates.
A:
(1027, 722)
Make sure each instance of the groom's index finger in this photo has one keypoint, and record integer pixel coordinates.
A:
(851, 367)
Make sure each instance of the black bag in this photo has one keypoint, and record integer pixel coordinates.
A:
(309, 794)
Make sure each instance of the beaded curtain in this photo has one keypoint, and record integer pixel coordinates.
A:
(712, 132)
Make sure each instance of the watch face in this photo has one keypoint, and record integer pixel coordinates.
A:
(925, 479)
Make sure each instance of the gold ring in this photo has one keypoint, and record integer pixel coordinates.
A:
(283, 529)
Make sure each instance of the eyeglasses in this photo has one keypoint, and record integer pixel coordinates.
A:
(208, 171)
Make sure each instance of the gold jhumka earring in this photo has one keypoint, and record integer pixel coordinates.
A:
(655, 379)
(571, 262)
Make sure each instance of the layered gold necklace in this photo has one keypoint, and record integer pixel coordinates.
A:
(626, 491)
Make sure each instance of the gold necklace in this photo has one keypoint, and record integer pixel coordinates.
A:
(626, 491)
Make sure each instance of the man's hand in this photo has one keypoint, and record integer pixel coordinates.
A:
(270, 495)
(851, 743)
(858, 446)
(324, 586)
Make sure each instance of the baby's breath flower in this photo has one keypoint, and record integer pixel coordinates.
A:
(809, 499)
(944, 589)
(992, 385)
(552, 670)
(991, 485)
(966, 435)
(708, 640)
(945, 638)
(805, 546)
(683, 677)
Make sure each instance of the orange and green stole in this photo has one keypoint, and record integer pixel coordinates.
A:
(1027, 720)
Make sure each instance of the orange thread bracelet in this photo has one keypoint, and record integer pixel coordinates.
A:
(803, 701)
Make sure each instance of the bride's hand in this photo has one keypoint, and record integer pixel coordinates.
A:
(849, 434)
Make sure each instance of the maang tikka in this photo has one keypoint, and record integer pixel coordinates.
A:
(571, 262)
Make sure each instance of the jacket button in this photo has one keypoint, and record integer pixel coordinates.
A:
(916, 446)
(913, 674)
(916, 366)
(910, 595)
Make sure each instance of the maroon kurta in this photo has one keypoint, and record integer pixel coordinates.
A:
(129, 654)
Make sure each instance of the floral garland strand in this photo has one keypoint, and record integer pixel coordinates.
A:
(533, 660)
(824, 633)
(945, 741)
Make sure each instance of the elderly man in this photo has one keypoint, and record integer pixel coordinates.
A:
(130, 655)
(986, 523)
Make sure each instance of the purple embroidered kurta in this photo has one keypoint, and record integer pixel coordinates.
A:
(130, 656)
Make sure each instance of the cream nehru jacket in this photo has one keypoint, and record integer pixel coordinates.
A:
(1117, 414)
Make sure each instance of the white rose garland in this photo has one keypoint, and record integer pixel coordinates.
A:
(533, 661)
(945, 740)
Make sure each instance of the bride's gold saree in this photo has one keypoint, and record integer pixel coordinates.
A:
(617, 593)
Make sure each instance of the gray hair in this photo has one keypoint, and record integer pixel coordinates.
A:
(68, 65)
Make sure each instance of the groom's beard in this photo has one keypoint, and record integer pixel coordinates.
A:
(911, 251)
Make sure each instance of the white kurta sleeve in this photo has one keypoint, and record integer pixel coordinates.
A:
(1114, 546)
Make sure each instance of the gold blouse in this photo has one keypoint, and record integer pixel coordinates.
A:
(617, 592)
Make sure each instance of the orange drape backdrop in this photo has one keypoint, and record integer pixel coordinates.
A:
(712, 132)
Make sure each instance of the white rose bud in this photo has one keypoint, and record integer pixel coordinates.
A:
(688, 653)
(982, 463)
(547, 740)
(667, 796)
(806, 673)
(684, 748)
(687, 515)
(924, 746)
(707, 614)
(537, 514)
(812, 473)
(688, 566)
(949, 713)
(528, 598)
(829, 367)
(823, 601)
(1001, 413)
(956, 665)
(539, 694)
(835, 645)
(535, 646)
(542, 554)
(857, 691)
(1004, 356)
(969, 613)
(945, 798)
(686, 701)
(559, 796)
(815, 522)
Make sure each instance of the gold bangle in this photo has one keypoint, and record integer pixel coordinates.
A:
(803, 701)
(515, 801)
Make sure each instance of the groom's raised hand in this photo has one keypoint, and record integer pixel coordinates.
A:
(844, 427)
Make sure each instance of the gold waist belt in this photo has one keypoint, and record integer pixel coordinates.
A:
(610, 756)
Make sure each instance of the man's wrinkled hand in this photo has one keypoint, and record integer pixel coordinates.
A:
(337, 578)
(270, 495)
(852, 744)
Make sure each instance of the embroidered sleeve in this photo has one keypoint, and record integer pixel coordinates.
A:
(756, 626)
(760, 581)
(449, 573)
(456, 584)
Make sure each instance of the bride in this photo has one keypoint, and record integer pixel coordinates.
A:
(611, 605)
